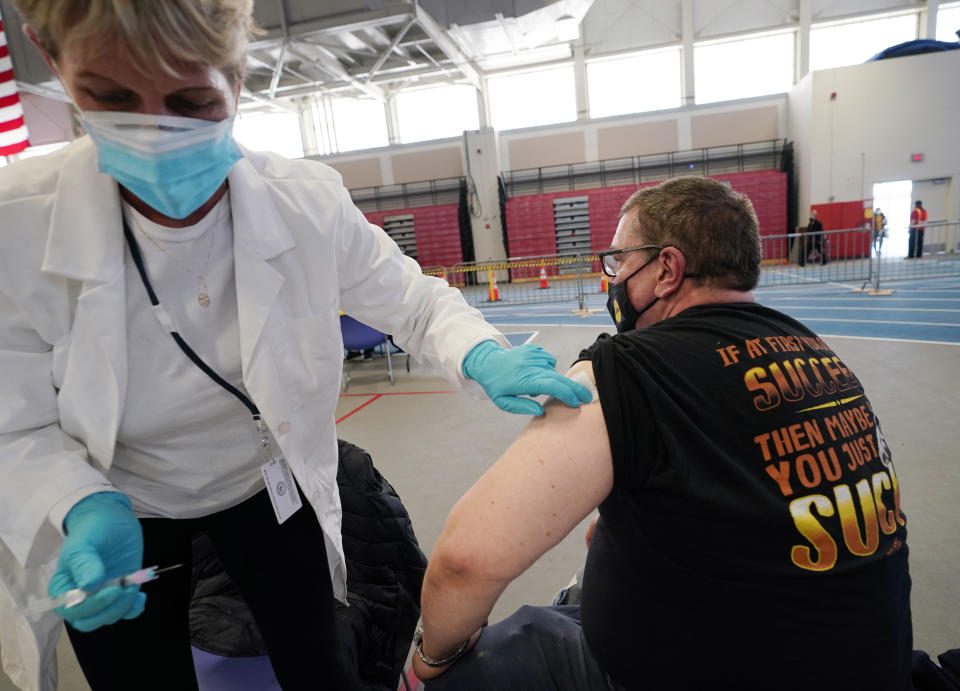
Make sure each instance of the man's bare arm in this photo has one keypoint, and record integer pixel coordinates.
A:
(557, 471)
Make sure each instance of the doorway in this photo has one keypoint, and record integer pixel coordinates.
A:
(894, 199)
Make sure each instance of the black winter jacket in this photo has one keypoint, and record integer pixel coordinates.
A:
(385, 568)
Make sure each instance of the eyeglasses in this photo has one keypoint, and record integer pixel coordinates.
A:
(610, 263)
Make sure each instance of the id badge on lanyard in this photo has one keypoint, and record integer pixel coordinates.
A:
(281, 485)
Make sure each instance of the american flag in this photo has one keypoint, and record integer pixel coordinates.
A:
(13, 131)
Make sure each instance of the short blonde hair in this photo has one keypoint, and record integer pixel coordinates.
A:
(211, 32)
(715, 228)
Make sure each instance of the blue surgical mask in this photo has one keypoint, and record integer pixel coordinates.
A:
(173, 164)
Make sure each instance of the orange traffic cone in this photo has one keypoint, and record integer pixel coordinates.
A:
(543, 278)
(494, 289)
(603, 282)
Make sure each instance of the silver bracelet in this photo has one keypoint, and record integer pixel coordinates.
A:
(442, 662)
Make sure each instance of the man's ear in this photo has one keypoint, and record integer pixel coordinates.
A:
(671, 267)
(35, 40)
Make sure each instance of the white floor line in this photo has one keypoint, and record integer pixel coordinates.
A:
(533, 334)
(876, 321)
(880, 338)
(560, 325)
(870, 309)
(886, 298)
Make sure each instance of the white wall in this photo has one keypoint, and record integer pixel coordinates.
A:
(768, 114)
(883, 112)
(677, 129)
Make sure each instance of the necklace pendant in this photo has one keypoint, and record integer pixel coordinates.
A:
(203, 299)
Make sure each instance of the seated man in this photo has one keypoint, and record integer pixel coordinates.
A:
(750, 532)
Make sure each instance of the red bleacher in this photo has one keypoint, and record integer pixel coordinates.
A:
(530, 226)
(437, 229)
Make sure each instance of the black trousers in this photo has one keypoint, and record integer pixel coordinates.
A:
(915, 242)
(281, 570)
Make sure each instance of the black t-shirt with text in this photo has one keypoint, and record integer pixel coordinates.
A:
(754, 537)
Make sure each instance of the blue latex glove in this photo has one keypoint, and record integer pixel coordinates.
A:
(104, 540)
(527, 370)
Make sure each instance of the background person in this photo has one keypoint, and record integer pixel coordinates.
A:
(879, 228)
(750, 532)
(915, 234)
(128, 440)
(813, 240)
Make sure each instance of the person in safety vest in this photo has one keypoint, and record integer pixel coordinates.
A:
(915, 242)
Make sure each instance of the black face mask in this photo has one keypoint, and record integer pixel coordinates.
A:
(624, 314)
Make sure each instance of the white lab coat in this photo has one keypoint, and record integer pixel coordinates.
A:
(302, 251)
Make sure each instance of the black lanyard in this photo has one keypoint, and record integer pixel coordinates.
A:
(188, 351)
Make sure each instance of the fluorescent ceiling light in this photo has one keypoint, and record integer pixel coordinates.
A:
(568, 28)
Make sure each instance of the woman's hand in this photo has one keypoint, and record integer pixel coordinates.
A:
(509, 376)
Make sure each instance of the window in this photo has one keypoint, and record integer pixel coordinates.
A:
(535, 98)
(359, 123)
(740, 68)
(948, 22)
(634, 84)
(276, 132)
(850, 43)
(437, 112)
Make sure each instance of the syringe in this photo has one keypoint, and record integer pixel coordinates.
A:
(73, 597)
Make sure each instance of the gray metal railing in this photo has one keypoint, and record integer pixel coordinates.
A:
(853, 256)
(408, 195)
(634, 170)
(857, 254)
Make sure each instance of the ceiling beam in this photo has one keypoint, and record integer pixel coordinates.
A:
(425, 73)
(335, 69)
(457, 33)
(278, 68)
(271, 102)
(393, 46)
(449, 47)
(337, 23)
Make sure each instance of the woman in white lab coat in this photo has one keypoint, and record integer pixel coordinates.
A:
(170, 353)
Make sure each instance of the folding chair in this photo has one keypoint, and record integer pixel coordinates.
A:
(358, 336)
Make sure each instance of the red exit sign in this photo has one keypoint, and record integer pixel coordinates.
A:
(916, 158)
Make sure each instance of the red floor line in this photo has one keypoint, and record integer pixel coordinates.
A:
(362, 405)
(397, 393)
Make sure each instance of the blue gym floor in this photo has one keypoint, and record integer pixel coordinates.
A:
(925, 310)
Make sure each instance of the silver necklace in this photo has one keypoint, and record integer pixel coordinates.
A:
(203, 296)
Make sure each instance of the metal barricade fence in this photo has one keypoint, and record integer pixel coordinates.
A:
(855, 255)
(528, 280)
(833, 255)
(940, 255)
